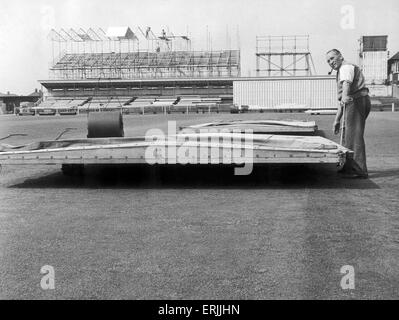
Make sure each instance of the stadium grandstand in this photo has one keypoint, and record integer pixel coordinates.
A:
(137, 72)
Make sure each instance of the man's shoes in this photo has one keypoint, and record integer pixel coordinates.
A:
(349, 173)
(345, 170)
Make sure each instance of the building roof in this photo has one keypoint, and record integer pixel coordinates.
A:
(8, 95)
(395, 56)
(35, 93)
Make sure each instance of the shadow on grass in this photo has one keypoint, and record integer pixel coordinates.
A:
(204, 176)
(384, 173)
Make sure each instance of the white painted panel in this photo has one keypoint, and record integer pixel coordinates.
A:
(312, 92)
(374, 65)
(380, 90)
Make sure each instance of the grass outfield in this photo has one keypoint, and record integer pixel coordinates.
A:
(189, 233)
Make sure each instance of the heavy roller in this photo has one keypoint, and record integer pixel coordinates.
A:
(108, 124)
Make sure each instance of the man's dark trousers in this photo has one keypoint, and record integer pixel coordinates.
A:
(356, 113)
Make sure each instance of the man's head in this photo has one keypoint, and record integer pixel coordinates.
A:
(334, 58)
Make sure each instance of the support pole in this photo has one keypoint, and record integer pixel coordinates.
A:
(343, 124)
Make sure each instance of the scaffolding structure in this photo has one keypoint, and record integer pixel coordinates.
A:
(120, 53)
(283, 56)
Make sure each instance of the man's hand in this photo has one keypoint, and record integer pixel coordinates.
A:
(346, 100)
(336, 128)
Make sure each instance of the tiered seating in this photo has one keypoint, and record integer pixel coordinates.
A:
(197, 104)
(61, 104)
(96, 104)
(118, 103)
(86, 107)
(78, 102)
(45, 104)
(71, 107)
(115, 104)
(104, 104)
(139, 105)
(46, 107)
(186, 104)
(209, 105)
(162, 104)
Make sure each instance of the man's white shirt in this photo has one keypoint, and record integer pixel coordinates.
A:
(346, 73)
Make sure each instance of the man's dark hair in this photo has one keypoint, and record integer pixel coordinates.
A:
(336, 51)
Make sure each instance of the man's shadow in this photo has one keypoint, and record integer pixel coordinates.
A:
(383, 173)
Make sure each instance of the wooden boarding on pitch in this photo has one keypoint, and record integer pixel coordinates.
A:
(204, 148)
(257, 126)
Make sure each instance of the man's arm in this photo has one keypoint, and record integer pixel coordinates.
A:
(345, 92)
(344, 100)
(337, 120)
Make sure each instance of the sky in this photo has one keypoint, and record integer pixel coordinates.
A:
(26, 52)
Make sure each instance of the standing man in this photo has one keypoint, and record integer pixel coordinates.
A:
(353, 94)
